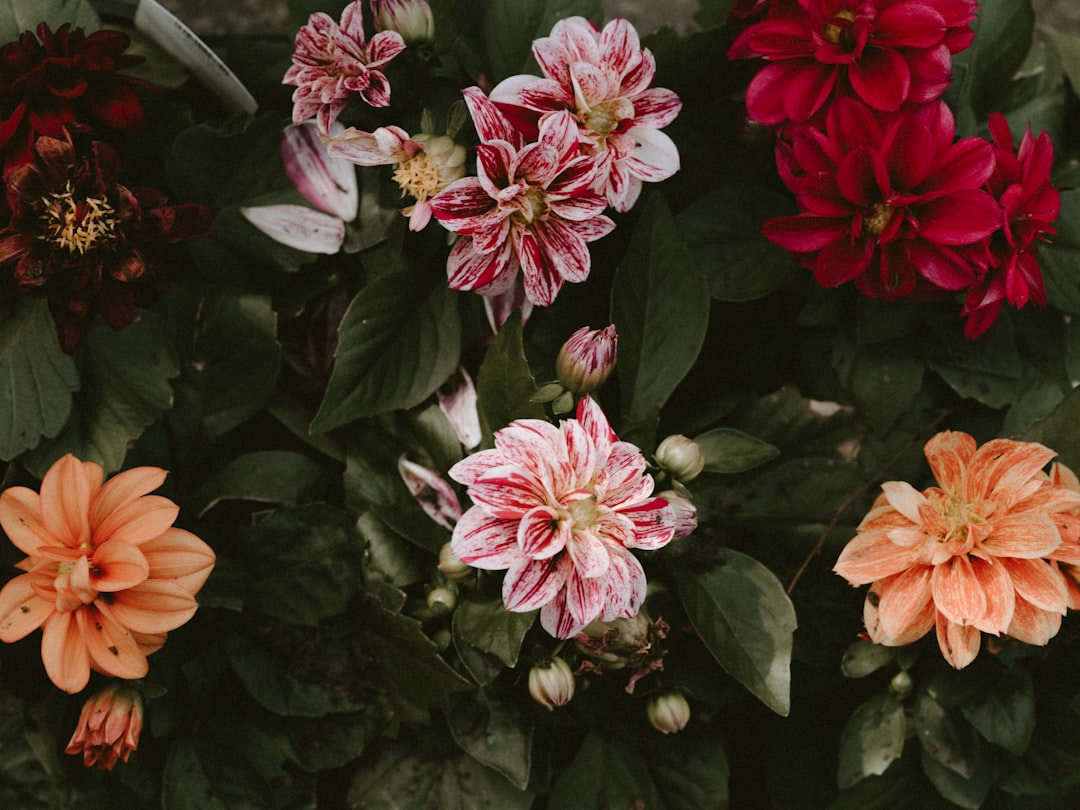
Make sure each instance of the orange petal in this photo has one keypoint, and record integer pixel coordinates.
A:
(149, 643)
(122, 489)
(1062, 476)
(871, 556)
(1018, 463)
(118, 566)
(153, 607)
(959, 643)
(180, 556)
(904, 498)
(137, 521)
(20, 515)
(63, 650)
(1039, 582)
(994, 579)
(21, 609)
(1032, 625)
(66, 492)
(1028, 534)
(112, 649)
(958, 593)
(948, 454)
(904, 611)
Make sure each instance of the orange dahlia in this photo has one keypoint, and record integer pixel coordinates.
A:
(967, 556)
(107, 575)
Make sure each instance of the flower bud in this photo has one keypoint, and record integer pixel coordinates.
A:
(901, 684)
(451, 567)
(551, 684)
(410, 18)
(586, 359)
(668, 712)
(442, 601)
(680, 457)
(685, 512)
(108, 727)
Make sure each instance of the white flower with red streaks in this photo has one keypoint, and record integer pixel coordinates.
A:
(603, 78)
(531, 207)
(334, 64)
(560, 508)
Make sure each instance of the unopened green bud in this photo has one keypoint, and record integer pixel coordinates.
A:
(669, 712)
(680, 457)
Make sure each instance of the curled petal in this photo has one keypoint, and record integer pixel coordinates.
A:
(298, 226)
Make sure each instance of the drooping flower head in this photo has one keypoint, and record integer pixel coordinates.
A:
(335, 64)
(603, 79)
(531, 208)
(1029, 205)
(78, 237)
(966, 556)
(888, 202)
(560, 508)
(106, 574)
(884, 52)
(109, 727)
(62, 77)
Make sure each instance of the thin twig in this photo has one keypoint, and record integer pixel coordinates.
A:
(820, 544)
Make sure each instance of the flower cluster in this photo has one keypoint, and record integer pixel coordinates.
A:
(888, 198)
(978, 553)
(554, 151)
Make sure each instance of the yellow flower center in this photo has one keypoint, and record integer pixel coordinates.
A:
(839, 33)
(77, 225)
(876, 219)
(601, 119)
(584, 513)
(535, 207)
(419, 176)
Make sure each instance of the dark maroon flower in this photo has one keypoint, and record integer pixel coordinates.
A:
(62, 77)
(1029, 204)
(884, 52)
(889, 202)
(74, 235)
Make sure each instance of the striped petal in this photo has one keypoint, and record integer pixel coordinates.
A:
(298, 226)
(530, 584)
(959, 643)
(484, 541)
(958, 593)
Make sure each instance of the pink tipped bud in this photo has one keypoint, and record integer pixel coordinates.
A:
(680, 457)
(109, 727)
(327, 182)
(586, 359)
(669, 712)
(435, 496)
(685, 513)
(551, 684)
(410, 18)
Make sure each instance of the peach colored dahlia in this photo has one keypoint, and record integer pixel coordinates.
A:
(966, 556)
(107, 575)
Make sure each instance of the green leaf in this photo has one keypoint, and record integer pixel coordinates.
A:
(1067, 47)
(884, 380)
(211, 774)
(988, 370)
(400, 778)
(504, 384)
(864, 658)
(964, 791)
(511, 26)
(388, 552)
(186, 783)
(125, 388)
(36, 380)
(872, 739)
(1058, 430)
(491, 628)
(1003, 711)
(399, 341)
(495, 733)
(746, 620)
(943, 736)
(723, 231)
(268, 476)
(17, 17)
(727, 450)
(1060, 260)
(691, 773)
(660, 307)
(605, 773)
(335, 740)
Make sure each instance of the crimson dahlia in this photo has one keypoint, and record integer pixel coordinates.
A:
(884, 52)
(890, 203)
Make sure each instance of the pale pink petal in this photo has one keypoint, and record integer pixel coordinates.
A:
(298, 226)
(457, 401)
(656, 157)
(435, 496)
(530, 584)
(904, 498)
(326, 180)
(486, 542)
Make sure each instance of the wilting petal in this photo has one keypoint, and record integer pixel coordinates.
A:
(436, 497)
(298, 226)
(326, 181)
(457, 401)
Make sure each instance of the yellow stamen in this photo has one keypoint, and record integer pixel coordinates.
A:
(419, 176)
(77, 225)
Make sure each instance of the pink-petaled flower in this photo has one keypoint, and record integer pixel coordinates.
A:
(587, 359)
(602, 78)
(885, 52)
(532, 207)
(1029, 204)
(966, 556)
(334, 64)
(109, 727)
(560, 508)
(889, 202)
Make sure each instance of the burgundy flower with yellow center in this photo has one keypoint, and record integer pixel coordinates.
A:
(884, 52)
(76, 236)
(62, 77)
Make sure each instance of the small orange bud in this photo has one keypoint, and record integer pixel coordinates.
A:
(109, 727)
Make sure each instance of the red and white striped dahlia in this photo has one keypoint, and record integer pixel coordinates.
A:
(560, 508)
(531, 207)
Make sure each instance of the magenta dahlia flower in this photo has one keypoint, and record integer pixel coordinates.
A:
(884, 52)
(560, 508)
(890, 203)
(603, 78)
(1029, 204)
(334, 64)
(532, 206)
